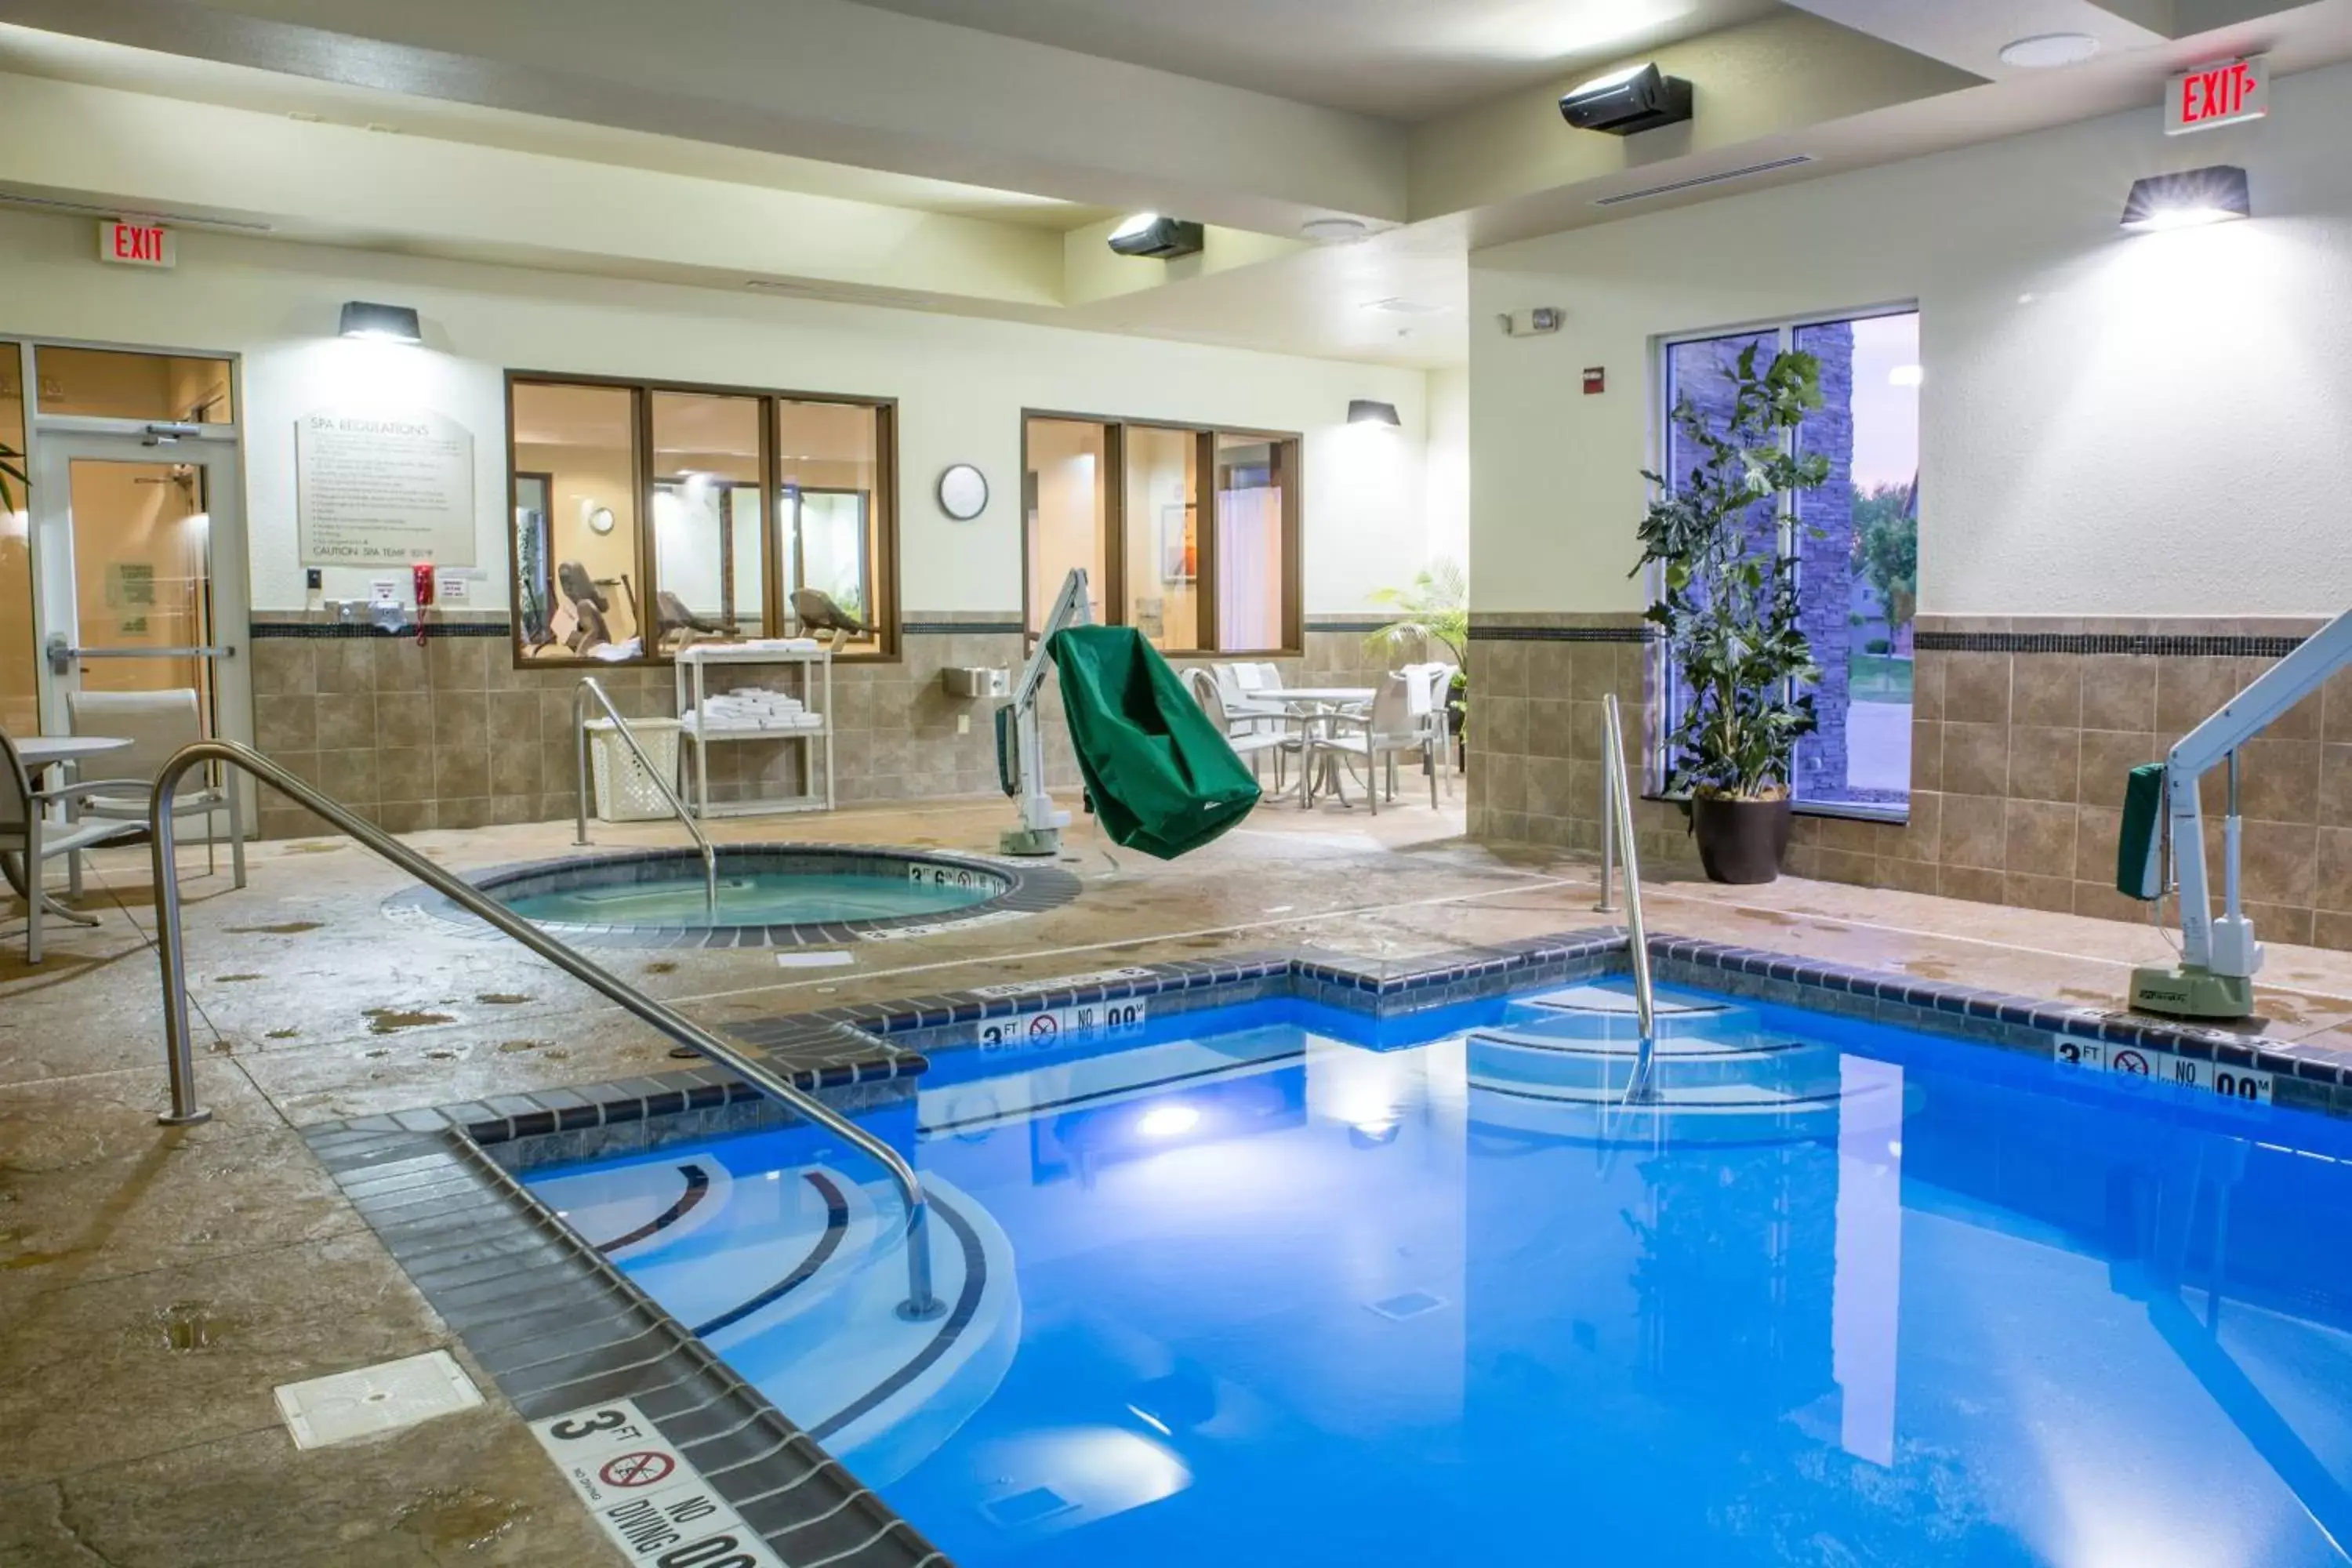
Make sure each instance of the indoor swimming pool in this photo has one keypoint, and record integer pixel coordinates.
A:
(1275, 1283)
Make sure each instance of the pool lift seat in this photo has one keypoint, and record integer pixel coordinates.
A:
(2219, 958)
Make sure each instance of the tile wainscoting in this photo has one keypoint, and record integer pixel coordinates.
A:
(451, 735)
(2024, 731)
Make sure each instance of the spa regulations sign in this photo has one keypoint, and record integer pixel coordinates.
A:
(377, 488)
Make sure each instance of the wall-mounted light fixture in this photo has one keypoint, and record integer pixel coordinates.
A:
(384, 323)
(1163, 238)
(1366, 411)
(1627, 102)
(2189, 199)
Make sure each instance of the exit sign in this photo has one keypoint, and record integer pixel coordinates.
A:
(136, 244)
(2225, 94)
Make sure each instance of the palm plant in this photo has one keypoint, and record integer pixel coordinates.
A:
(11, 467)
(1435, 608)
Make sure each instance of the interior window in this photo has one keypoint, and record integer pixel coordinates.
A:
(582, 441)
(112, 383)
(20, 705)
(1161, 559)
(709, 547)
(1065, 507)
(829, 473)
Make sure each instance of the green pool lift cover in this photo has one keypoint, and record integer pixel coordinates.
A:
(1162, 777)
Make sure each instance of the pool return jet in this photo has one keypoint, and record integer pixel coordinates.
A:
(2219, 958)
(1159, 777)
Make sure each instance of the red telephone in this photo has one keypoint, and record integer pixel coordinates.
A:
(421, 574)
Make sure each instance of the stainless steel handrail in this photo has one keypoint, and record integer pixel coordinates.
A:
(1618, 825)
(590, 686)
(921, 1301)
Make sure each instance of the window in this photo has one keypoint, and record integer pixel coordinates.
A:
(1856, 540)
(646, 516)
(1189, 535)
(111, 384)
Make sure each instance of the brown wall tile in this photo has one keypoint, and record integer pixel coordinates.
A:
(1976, 759)
(2118, 692)
(2278, 782)
(2039, 839)
(1974, 832)
(2043, 763)
(2332, 879)
(2046, 691)
(2190, 690)
(1976, 688)
(2108, 758)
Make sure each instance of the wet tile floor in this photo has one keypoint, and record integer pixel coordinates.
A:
(156, 1283)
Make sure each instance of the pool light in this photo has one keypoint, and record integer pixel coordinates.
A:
(1168, 1122)
(2191, 199)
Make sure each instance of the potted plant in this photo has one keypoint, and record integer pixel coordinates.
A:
(11, 470)
(1728, 613)
(1433, 610)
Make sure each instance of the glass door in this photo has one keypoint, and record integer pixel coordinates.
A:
(140, 575)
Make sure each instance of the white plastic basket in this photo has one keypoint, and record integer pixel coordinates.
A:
(624, 791)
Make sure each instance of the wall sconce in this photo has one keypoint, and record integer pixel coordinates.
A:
(2189, 199)
(383, 323)
(1366, 411)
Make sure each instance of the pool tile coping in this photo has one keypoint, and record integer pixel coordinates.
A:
(1030, 887)
(557, 1326)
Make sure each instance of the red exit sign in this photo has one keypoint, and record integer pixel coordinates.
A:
(2225, 94)
(136, 244)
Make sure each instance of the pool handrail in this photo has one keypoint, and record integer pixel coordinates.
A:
(1617, 826)
(169, 952)
(590, 686)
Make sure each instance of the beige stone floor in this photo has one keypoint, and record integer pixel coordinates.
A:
(156, 1283)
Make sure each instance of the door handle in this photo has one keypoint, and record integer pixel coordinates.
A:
(62, 655)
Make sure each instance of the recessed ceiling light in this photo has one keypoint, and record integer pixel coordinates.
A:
(1334, 230)
(2048, 52)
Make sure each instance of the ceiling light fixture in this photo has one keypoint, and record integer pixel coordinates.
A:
(1370, 411)
(1906, 375)
(1168, 1121)
(2189, 199)
(2049, 51)
(381, 324)
(1334, 230)
(1162, 239)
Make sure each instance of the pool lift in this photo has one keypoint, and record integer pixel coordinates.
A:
(2219, 958)
(1020, 749)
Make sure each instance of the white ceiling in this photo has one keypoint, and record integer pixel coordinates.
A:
(63, 57)
(1400, 60)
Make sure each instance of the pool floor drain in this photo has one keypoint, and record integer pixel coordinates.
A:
(1412, 1304)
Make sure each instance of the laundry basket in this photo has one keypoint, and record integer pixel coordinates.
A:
(624, 791)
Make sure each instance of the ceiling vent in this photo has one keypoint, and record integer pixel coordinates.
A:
(1697, 180)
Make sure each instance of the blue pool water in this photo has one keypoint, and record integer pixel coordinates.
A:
(750, 899)
(1254, 1288)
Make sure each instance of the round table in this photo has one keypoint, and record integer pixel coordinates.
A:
(1306, 704)
(39, 754)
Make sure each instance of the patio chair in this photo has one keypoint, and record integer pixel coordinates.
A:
(157, 724)
(1243, 732)
(1379, 735)
(1236, 682)
(28, 838)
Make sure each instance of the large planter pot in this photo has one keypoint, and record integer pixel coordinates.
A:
(1742, 841)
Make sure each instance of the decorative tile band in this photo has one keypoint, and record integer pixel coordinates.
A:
(320, 630)
(1561, 633)
(951, 628)
(2152, 644)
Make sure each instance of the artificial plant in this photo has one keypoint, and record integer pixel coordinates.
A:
(11, 471)
(1433, 608)
(1729, 610)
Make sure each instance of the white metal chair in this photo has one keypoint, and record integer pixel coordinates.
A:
(29, 838)
(1429, 688)
(157, 724)
(1236, 682)
(1245, 734)
(1384, 732)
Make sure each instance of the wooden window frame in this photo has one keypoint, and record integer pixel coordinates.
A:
(641, 391)
(1114, 429)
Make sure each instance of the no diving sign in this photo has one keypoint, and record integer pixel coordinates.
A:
(649, 1497)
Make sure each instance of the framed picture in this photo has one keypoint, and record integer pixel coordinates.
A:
(1179, 553)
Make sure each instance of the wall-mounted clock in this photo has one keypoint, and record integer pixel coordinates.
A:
(964, 493)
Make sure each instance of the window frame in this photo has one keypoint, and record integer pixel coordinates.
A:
(1657, 764)
(1204, 487)
(773, 545)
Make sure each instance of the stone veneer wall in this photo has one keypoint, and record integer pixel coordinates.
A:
(2024, 731)
(451, 734)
